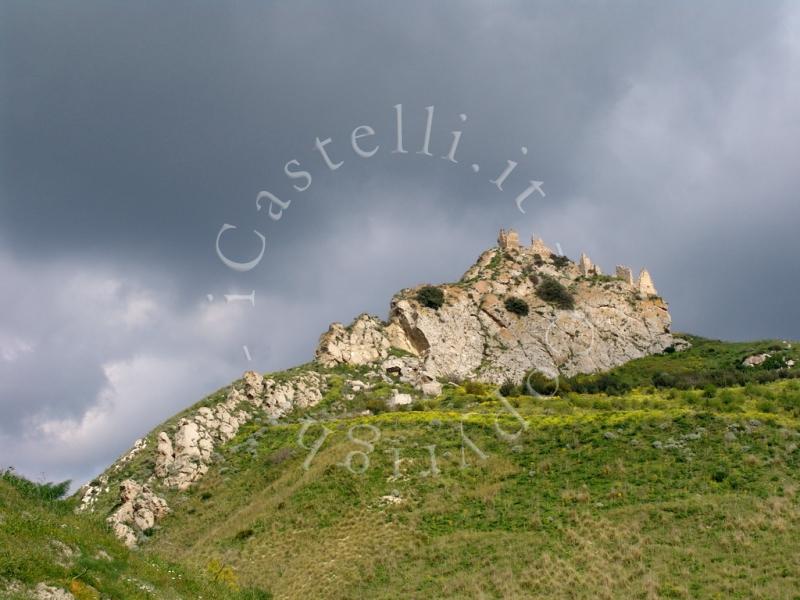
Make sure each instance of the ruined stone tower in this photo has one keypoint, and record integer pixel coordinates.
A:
(645, 284)
(625, 273)
(539, 247)
(585, 265)
(508, 240)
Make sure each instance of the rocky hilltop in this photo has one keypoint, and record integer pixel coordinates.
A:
(517, 309)
(476, 333)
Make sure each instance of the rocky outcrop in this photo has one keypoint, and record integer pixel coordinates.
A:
(139, 510)
(183, 453)
(473, 335)
(185, 458)
(361, 343)
(301, 391)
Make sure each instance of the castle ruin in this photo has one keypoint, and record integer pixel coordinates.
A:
(509, 240)
(625, 273)
(645, 284)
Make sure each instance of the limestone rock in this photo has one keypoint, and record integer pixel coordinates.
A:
(139, 510)
(755, 360)
(90, 492)
(253, 386)
(48, 592)
(399, 399)
(365, 341)
(473, 336)
(165, 456)
(301, 391)
(431, 388)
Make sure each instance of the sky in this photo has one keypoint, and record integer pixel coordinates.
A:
(666, 135)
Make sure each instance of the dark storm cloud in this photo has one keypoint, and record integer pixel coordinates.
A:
(665, 133)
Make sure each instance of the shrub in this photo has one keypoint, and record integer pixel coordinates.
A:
(664, 380)
(537, 260)
(613, 384)
(509, 388)
(776, 361)
(719, 474)
(37, 491)
(553, 292)
(539, 383)
(515, 305)
(475, 388)
(430, 296)
(376, 405)
(559, 262)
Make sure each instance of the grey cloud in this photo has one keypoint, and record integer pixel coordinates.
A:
(666, 134)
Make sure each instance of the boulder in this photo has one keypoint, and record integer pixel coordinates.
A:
(140, 509)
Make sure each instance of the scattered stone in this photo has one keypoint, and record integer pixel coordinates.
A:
(755, 360)
(431, 388)
(90, 492)
(398, 399)
(393, 498)
(64, 554)
(103, 555)
(47, 592)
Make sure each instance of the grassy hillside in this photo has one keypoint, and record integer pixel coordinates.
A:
(42, 540)
(655, 493)
(678, 480)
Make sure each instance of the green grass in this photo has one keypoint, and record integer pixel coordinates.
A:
(654, 494)
(42, 540)
(686, 491)
(707, 362)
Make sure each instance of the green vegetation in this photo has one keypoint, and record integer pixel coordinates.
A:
(707, 362)
(672, 476)
(430, 296)
(559, 262)
(515, 305)
(553, 292)
(652, 493)
(42, 540)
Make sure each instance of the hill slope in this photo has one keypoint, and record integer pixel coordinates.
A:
(533, 430)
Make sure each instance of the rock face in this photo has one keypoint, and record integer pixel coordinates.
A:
(473, 335)
(476, 334)
(139, 511)
(183, 457)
